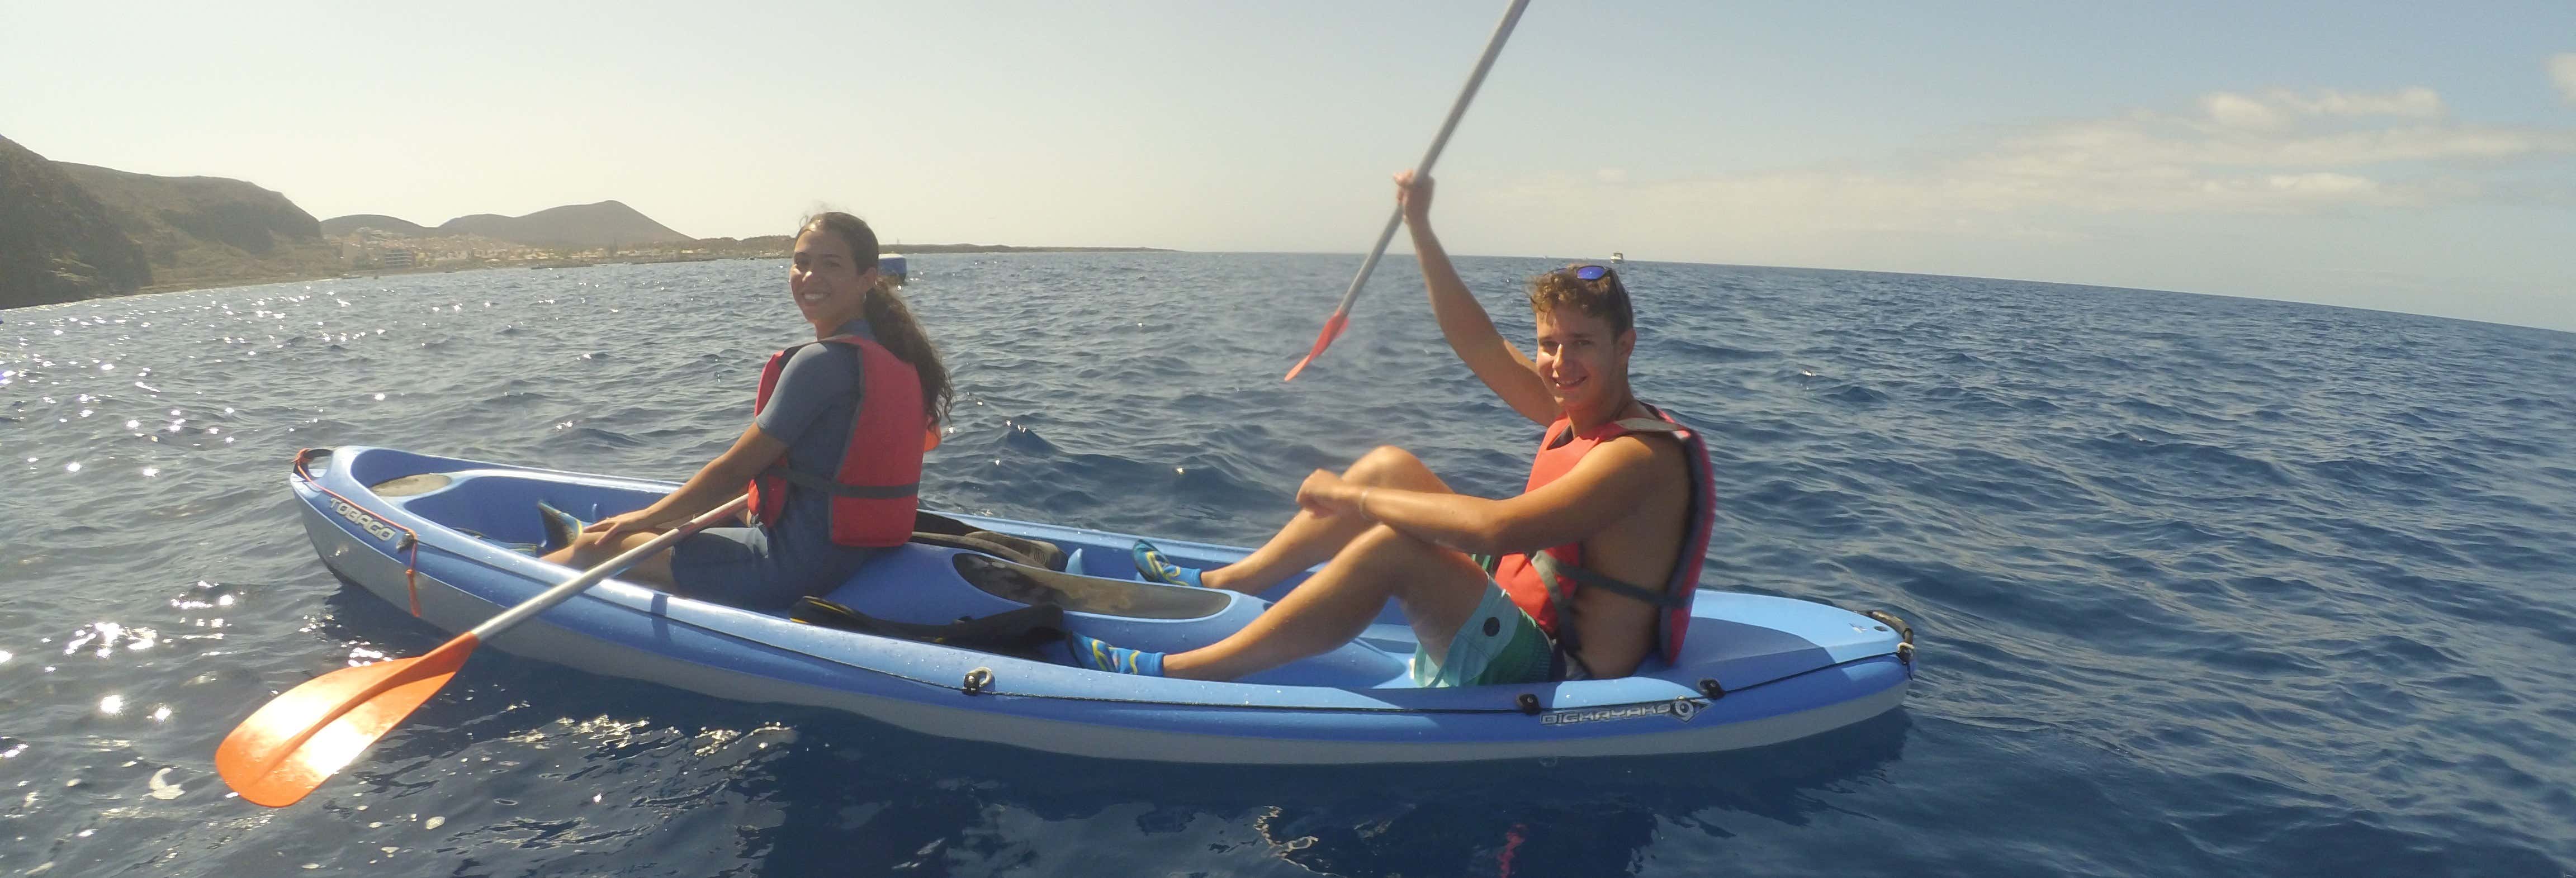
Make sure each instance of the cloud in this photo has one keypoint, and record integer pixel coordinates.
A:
(2416, 102)
(2234, 110)
(2325, 196)
(2562, 73)
(2143, 139)
(2281, 109)
(2235, 153)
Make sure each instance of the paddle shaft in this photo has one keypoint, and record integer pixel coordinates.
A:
(613, 566)
(1458, 109)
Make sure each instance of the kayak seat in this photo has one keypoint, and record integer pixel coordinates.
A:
(1018, 550)
(939, 530)
(1037, 586)
(1022, 633)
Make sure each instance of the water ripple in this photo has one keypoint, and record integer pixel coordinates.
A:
(2207, 586)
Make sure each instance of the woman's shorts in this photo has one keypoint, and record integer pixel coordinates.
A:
(748, 567)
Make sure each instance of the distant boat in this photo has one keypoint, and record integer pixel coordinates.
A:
(893, 266)
(1617, 257)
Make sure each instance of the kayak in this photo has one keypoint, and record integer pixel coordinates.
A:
(436, 536)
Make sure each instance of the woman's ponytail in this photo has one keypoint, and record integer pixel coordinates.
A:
(887, 315)
(902, 336)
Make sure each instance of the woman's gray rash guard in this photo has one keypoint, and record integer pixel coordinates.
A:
(812, 409)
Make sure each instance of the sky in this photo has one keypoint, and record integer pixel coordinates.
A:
(2399, 156)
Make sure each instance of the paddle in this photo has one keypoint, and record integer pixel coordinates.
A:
(1341, 318)
(289, 746)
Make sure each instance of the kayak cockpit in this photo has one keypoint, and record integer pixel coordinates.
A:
(1737, 639)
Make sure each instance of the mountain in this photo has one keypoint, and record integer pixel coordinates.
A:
(57, 243)
(342, 225)
(571, 227)
(209, 230)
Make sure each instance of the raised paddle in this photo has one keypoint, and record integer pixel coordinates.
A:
(1341, 318)
(287, 748)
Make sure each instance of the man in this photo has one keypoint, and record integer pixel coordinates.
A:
(1617, 496)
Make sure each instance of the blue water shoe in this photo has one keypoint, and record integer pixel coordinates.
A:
(560, 527)
(1092, 654)
(1154, 566)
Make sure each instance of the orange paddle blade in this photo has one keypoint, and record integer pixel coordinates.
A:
(1333, 327)
(298, 739)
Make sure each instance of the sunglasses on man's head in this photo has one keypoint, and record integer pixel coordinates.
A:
(1590, 272)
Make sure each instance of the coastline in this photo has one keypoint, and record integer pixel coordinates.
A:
(291, 277)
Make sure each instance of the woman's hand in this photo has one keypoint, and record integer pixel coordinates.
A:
(1413, 194)
(641, 521)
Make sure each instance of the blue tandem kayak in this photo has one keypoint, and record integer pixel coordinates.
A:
(432, 535)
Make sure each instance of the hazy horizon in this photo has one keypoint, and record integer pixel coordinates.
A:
(2375, 155)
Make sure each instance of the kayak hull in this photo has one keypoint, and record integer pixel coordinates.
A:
(1759, 670)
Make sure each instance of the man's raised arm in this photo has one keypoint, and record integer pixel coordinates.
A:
(1497, 362)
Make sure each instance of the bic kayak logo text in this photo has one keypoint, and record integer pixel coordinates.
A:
(365, 522)
(1681, 709)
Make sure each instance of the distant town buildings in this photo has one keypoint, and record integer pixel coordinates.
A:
(367, 248)
(372, 249)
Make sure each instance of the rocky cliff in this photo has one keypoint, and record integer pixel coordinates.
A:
(209, 230)
(57, 241)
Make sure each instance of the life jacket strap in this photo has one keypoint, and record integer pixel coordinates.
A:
(1565, 644)
(1553, 573)
(1650, 425)
(1550, 570)
(831, 486)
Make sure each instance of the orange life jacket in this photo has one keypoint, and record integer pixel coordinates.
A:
(1543, 583)
(877, 489)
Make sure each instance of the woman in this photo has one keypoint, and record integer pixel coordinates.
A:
(832, 458)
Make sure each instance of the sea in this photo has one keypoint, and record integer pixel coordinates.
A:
(2203, 586)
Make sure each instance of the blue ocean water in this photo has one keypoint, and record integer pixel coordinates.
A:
(2205, 585)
